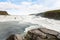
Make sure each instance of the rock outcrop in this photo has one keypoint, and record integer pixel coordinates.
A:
(3, 13)
(14, 37)
(42, 34)
(37, 34)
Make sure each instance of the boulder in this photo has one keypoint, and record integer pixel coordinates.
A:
(37, 34)
(42, 34)
(14, 37)
(11, 37)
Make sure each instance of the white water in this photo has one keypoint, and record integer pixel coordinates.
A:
(44, 22)
(20, 24)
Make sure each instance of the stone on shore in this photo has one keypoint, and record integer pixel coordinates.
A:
(42, 34)
(37, 34)
(14, 37)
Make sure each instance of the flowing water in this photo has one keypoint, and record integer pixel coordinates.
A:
(21, 24)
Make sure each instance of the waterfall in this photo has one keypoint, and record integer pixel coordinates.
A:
(22, 24)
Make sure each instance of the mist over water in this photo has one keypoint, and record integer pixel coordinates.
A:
(12, 27)
(9, 25)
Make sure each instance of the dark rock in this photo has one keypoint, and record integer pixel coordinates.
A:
(14, 37)
(48, 31)
(42, 34)
(3, 13)
(37, 34)
(11, 37)
(58, 36)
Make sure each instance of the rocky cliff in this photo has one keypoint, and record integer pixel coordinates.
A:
(42, 34)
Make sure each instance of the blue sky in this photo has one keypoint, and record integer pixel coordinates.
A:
(25, 7)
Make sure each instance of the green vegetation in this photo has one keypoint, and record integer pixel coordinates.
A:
(55, 14)
(3, 13)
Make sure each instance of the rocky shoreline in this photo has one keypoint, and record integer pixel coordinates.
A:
(37, 34)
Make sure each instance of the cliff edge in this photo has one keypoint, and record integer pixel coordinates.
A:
(3, 13)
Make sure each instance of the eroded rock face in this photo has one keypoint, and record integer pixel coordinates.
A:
(37, 34)
(11, 37)
(42, 34)
(14, 37)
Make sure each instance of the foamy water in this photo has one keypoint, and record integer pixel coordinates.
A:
(46, 23)
(22, 24)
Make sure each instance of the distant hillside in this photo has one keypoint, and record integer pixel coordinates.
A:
(3, 13)
(54, 14)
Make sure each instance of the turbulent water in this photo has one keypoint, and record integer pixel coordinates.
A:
(21, 24)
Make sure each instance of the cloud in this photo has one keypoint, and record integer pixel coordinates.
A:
(34, 9)
(25, 7)
(7, 6)
(29, 7)
(26, 3)
(56, 4)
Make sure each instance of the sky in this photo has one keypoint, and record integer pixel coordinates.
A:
(26, 7)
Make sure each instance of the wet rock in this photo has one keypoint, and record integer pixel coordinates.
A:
(14, 37)
(11, 37)
(42, 34)
(19, 37)
(58, 36)
(48, 31)
(37, 34)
